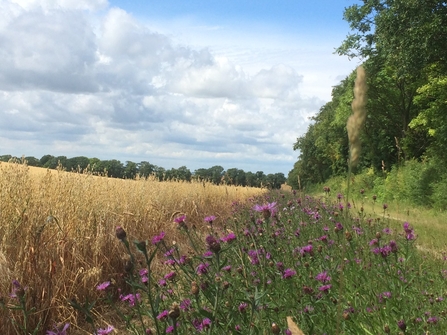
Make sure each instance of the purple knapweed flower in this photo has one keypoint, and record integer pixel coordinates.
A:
(308, 249)
(338, 226)
(374, 242)
(288, 273)
(409, 232)
(157, 239)
(163, 315)
(18, 291)
(59, 329)
(103, 286)
(170, 276)
(242, 307)
(229, 238)
(181, 222)
(401, 324)
(210, 219)
(185, 305)
(325, 288)
(201, 325)
(432, 319)
(202, 268)
(384, 295)
(387, 230)
(323, 277)
(267, 210)
(393, 246)
(131, 298)
(105, 331)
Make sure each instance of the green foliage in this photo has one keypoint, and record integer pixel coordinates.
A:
(439, 196)
(403, 44)
(411, 183)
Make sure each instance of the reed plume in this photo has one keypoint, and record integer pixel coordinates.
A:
(358, 116)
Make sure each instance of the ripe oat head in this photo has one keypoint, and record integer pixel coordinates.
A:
(293, 327)
(358, 116)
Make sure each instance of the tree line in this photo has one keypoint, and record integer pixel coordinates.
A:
(402, 44)
(130, 170)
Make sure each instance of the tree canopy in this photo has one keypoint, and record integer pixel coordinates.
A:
(403, 47)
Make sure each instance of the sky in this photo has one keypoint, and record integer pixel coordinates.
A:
(175, 83)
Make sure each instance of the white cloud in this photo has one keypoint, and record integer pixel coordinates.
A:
(62, 4)
(74, 81)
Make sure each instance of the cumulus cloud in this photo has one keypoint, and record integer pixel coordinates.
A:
(75, 80)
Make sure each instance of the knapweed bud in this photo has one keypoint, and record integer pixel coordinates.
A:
(128, 267)
(348, 235)
(120, 233)
(213, 244)
(195, 288)
(401, 324)
(275, 329)
(378, 235)
(174, 312)
(386, 329)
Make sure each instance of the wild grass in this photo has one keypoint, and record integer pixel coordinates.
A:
(57, 234)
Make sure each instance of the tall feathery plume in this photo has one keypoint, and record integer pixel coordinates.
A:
(358, 116)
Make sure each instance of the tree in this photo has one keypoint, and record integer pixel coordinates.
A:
(145, 169)
(275, 180)
(78, 163)
(235, 176)
(32, 161)
(54, 162)
(407, 34)
(402, 38)
(45, 159)
(432, 120)
(130, 170)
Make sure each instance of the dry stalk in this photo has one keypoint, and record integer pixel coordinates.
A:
(358, 116)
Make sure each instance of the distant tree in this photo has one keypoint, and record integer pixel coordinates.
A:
(79, 162)
(32, 161)
(44, 159)
(113, 167)
(54, 162)
(202, 174)
(250, 179)
(213, 174)
(130, 170)
(183, 173)
(95, 165)
(260, 178)
(235, 176)
(160, 173)
(145, 169)
(5, 158)
(216, 173)
(275, 181)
